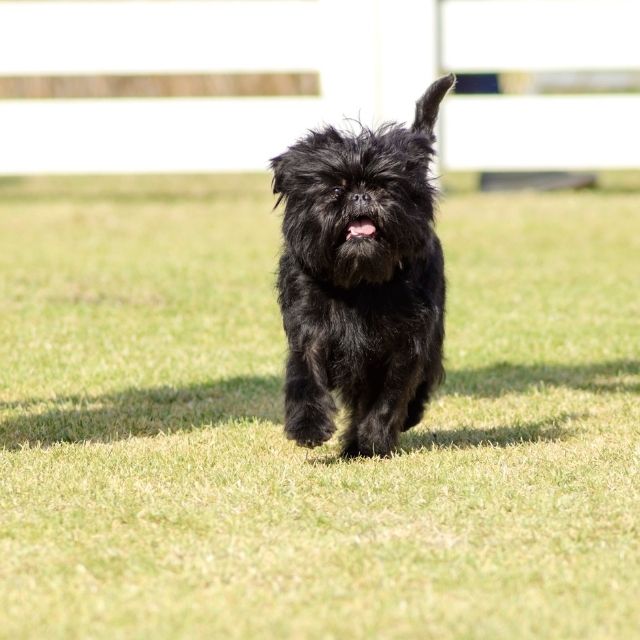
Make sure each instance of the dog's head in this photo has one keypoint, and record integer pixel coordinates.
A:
(358, 204)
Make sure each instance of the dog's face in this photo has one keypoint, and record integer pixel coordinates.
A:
(358, 204)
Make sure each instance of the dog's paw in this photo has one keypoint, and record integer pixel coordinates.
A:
(350, 449)
(310, 434)
(365, 450)
(376, 438)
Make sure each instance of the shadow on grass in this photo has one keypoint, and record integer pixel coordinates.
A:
(140, 412)
(499, 379)
(549, 429)
(148, 412)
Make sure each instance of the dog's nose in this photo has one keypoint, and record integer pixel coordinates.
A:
(360, 197)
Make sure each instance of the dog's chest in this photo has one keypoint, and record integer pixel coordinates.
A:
(365, 332)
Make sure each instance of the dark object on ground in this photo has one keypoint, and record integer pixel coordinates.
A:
(538, 180)
(474, 83)
(361, 280)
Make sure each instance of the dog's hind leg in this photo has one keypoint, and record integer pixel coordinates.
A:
(433, 375)
(415, 410)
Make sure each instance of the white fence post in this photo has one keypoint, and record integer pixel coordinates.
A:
(379, 57)
(347, 66)
(407, 55)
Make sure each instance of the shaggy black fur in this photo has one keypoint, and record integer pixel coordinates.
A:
(361, 280)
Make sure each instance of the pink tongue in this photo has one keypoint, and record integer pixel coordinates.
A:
(361, 227)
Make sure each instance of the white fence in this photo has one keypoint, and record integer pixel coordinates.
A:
(374, 59)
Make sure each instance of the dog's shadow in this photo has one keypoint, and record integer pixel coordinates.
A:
(551, 429)
(139, 412)
(503, 378)
(148, 412)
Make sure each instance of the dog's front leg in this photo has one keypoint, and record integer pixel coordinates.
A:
(308, 405)
(378, 430)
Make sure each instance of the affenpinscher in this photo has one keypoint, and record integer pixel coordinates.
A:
(361, 280)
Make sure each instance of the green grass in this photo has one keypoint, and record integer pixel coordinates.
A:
(146, 489)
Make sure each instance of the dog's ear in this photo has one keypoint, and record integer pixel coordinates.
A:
(427, 106)
(279, 166)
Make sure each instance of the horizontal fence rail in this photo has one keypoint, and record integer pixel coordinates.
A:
(513, 133)
(47, 38)
(148, 136)
(539, 35)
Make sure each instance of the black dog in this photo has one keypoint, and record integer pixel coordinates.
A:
(361, 280)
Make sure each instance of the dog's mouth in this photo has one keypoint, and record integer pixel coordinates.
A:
(362, 227)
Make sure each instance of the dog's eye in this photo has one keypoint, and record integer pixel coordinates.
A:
(337, 192)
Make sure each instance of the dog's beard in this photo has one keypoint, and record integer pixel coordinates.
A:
(363, 259)
(362, 264)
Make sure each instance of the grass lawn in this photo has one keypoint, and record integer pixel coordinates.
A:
(146, 489)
